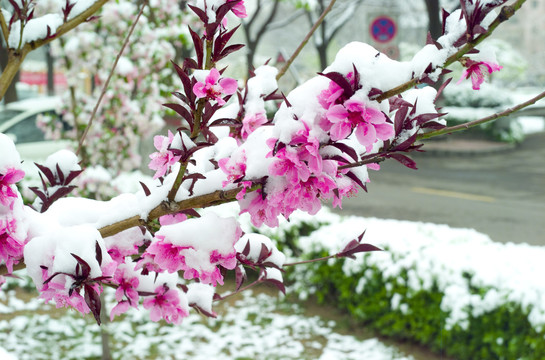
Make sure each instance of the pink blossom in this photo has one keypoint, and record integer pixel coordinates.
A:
(163, 158)
(213, 89)
(11, 250)
(329, 96)
(239, 9)
(172, 219)
(165, 304)
(127, 285)
(476, 71)
(195, 261)
(234, 168)
(245, 186)
(251, 122)
(261, 211)
(370, 124)
(333, 94)
(120, 308)
(56, 291)
(290, 166)
(167, 256)
(346, 188)
(6, 180)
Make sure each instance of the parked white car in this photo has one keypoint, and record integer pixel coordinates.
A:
(18, 121)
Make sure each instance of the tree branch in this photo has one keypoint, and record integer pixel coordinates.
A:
(4, 27)
(67, 26)
(107, 83)
(506, 12)
(265, 26)
(166, 208)
(465, 126)
(254, 16)
(286, 21)
(305, 41)
(9, 72)
(16, 57)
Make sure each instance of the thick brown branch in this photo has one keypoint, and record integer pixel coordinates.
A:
(166, 208)
(11, 69)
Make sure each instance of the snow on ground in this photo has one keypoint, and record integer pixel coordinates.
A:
(259, 327)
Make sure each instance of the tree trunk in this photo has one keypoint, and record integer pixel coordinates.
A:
(50, 71)
(11, 93)
(104, 334)
(322, 55)
(434, 15)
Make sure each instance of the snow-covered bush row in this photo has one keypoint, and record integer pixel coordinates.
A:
(454, 290)
(461, 106)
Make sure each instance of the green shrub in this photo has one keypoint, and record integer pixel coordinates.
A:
(392, 307)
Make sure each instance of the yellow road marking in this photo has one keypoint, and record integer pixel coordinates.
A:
(453, 194)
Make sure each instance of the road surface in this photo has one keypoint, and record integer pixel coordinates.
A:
(500, 194)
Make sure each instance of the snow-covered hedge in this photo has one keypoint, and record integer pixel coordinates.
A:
(460, 107)
(453, 290)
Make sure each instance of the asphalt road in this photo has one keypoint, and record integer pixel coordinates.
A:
(501, 194)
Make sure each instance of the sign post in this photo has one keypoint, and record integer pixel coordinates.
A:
(383, 30)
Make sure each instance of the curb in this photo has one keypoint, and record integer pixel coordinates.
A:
(461, 147)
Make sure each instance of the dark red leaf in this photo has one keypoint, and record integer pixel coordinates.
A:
(85, 268)
(264, 253)
(200, 13)
(204, 312)
(246, 250)
(48, 173)
(348, 150)
(340, 80)
(145, 188)
(199, 47)
(181, 110)
(72, 175)
(240, 276)
(92, 299)
(403, 159)
(355, 247)
(399, 119)
(357, 180)
(228, 50)
(279, 285)
(98, 252)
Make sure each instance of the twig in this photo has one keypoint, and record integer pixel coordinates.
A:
(311, 260)
(486, 119)
(374, 159)
(110, 76)
(4, 28)
(16, 57)
(258, 281)
(505, 13)
(305, 40)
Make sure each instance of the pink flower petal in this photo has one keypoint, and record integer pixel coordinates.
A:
(366, 134)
